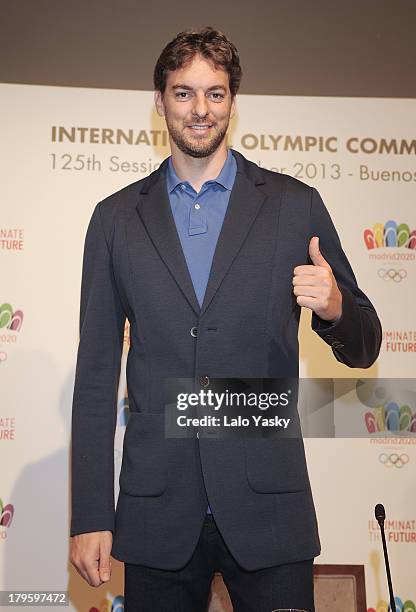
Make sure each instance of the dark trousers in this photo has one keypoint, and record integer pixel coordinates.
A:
(187, 590)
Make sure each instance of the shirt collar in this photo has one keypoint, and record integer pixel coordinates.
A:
(225, 178)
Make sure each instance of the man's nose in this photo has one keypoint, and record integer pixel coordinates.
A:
(200, 106)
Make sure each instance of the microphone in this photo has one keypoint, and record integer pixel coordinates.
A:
(380, 514)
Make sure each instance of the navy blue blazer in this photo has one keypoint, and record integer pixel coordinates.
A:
(134, 267)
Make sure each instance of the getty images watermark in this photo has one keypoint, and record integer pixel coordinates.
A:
(231, 399)
(231, 407)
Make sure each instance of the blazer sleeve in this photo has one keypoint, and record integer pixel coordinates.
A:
(94, 406)
(356, 337)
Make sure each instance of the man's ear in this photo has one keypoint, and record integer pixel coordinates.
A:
(233, 106)
(159, 103)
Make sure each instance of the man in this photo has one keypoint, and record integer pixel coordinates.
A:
(210, 258)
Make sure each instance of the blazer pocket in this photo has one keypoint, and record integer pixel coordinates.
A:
(276, 466)
(144, 465)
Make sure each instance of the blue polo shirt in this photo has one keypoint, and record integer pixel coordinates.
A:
(199, 218)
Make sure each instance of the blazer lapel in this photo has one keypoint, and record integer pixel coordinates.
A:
(244, 205)
(155, 212)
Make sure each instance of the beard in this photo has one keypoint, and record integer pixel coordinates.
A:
(197, 147)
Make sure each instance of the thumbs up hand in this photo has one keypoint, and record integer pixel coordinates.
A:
(315, 286)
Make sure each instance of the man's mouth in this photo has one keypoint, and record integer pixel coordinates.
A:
(200, 127)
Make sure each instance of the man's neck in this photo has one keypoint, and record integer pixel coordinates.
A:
(197, 170)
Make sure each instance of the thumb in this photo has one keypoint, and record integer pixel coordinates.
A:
(315, 254)
(105, 563)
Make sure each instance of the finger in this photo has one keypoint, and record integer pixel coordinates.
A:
(81, 572)
(84, 571)
(105, 563)
(307, 302)
(307, 291)
(78, 564)
(315, 254)
(92, 570)
(317, 280)
(310, 270)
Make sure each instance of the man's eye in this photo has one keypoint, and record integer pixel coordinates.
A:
(217, 95)
(182, 94)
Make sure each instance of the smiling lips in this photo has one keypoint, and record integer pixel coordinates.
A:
(200, 128)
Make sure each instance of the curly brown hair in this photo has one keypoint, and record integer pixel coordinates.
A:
(211, 44)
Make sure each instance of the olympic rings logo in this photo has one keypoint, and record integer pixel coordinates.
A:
(394, 459)
(392, 274)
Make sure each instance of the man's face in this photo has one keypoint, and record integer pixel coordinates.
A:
(197, 106)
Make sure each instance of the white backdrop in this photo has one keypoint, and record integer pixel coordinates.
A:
(64, 149)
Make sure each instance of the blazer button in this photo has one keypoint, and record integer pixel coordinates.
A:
(194, 331)
(204, 381)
